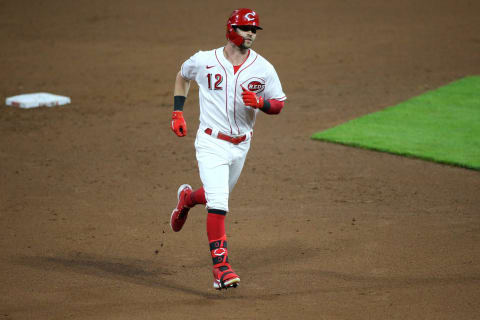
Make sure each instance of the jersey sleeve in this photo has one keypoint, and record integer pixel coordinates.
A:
(273, 89)
(189, 68)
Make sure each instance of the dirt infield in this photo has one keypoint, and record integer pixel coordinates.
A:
(316, 230)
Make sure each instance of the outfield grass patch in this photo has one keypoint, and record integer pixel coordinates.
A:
(441, 125)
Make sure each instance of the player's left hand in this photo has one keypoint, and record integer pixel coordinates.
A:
(251, 99)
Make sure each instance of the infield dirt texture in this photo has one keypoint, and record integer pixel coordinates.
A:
(316, 230)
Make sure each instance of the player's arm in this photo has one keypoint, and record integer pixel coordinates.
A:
(270, 106)
(182, 86)
(180, 93)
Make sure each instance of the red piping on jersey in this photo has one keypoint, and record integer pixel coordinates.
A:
(226, 91)
(235, 100)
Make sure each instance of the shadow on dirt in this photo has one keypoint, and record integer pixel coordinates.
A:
(140, 272)
(133, 271)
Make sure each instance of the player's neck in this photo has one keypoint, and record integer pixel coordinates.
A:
(234, 54)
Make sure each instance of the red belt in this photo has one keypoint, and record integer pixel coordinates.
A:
(234, 140)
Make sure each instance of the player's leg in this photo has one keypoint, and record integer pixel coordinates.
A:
(213, 158)
(195, 197)
(180, 213)
(223, 274)
(187, 199)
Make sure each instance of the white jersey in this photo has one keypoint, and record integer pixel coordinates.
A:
(220, 89)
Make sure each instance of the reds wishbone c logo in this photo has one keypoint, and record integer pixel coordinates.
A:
(249, 17)
(219, 252)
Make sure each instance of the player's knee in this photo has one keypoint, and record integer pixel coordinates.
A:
(218, 201)
(217, 205)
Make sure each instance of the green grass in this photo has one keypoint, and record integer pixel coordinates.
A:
(441, 125)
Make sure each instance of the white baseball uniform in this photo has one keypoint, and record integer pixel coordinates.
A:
(223, 111)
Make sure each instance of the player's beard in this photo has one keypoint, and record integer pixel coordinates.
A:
(243, 46)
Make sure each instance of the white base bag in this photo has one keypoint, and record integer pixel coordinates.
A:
(40, 99)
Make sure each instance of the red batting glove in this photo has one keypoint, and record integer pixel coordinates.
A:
(251, 99)
(179, 126)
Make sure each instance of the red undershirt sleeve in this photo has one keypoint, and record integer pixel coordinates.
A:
(272, 106)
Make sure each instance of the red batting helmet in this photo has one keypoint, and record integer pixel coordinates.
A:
(241, 17)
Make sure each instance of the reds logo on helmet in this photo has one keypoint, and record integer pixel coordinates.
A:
(256, 85)
(250, 16)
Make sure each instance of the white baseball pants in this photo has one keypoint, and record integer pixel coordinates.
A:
(220, 164)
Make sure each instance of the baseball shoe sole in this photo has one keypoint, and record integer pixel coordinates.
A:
(225, 277)
(232, 283)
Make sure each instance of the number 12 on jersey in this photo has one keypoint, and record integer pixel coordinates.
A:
(218, 81)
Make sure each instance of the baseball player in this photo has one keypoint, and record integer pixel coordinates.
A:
(235, 83)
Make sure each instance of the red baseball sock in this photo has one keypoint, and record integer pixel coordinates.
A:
(196, 197)
(216, 225)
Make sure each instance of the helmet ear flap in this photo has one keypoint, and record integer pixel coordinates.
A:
(233, 36)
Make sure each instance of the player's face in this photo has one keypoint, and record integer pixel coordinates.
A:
(249, 33)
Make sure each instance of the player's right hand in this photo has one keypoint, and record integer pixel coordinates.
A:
(178, 125)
